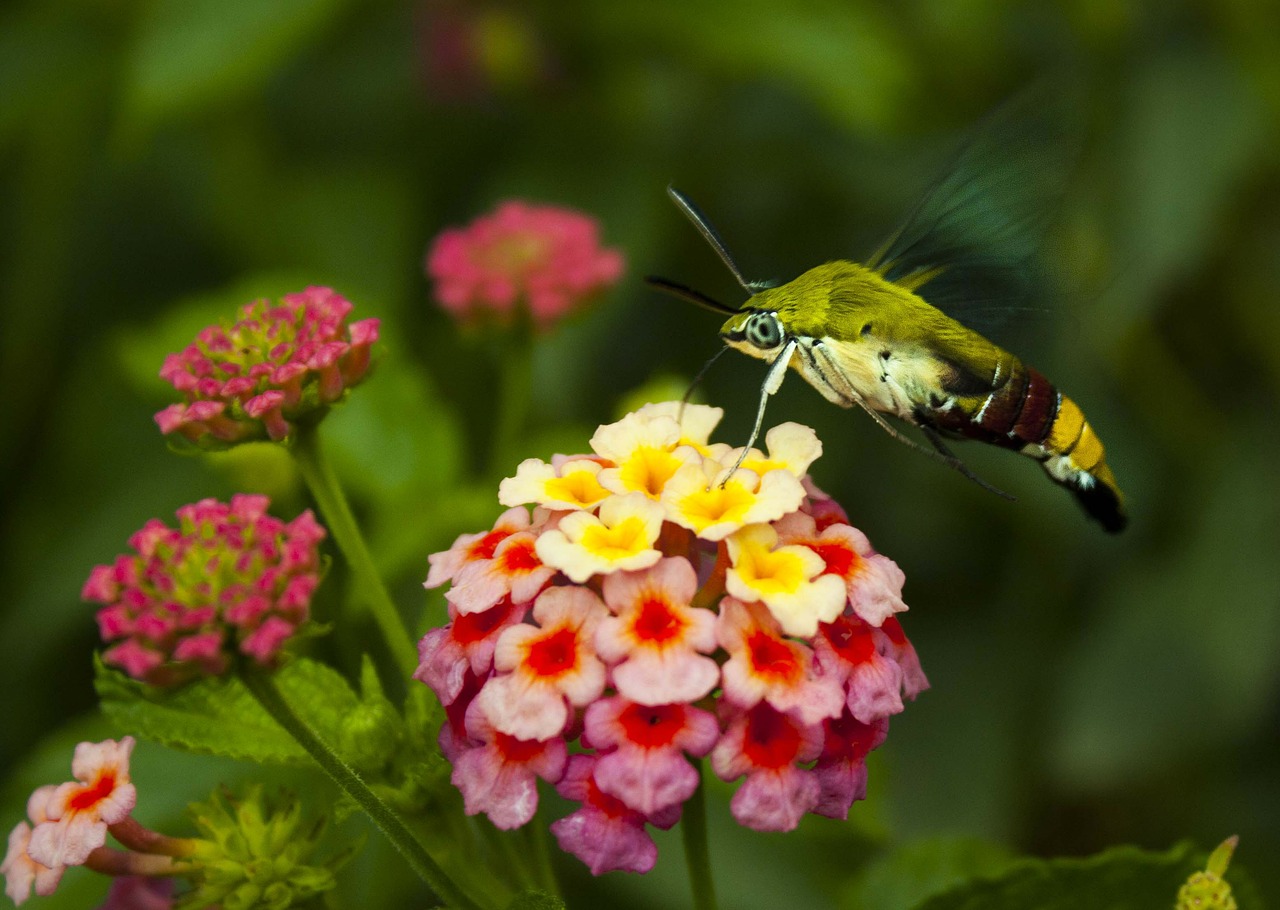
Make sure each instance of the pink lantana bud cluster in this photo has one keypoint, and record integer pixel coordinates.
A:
(69, 822)
(279, 364)
(655, 608)
(229, 578)
(542, 259)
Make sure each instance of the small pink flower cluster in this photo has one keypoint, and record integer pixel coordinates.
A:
(70, 819)
(677, 611)
(548, 258)
(229, 577)
(276, 365)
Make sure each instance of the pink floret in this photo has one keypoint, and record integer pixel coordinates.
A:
(604, 833)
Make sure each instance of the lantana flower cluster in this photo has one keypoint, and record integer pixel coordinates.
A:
(546, 258)
(652, 609)
(278, 364)
(229, 578)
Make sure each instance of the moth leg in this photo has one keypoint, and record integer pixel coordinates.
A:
(950, 459)
(772, 382)
(820, 358)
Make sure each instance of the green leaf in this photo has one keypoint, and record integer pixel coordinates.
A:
(1122, 878)
(899, 879)
(535, 900)
(196, 52)
(221, 717)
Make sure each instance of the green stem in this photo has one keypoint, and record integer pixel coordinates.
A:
(324, 486)
(262, 685)
(542, 856)
(516, 364)
(697, 855)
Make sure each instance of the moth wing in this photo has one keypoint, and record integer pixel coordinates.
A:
(971, 246)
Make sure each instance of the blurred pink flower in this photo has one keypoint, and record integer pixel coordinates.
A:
(228, 578)
(544, 260)
(138, 892)
(277, 364)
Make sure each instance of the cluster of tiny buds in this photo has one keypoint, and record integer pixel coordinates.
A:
(278, 365)
(229, 579)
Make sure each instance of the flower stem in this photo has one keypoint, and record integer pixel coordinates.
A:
(546, 872)
(324, 486)
(130, 833)
(516, 365)
(697, 855)
(108, 861)
(262, 685)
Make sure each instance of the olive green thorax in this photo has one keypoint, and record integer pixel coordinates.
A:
(851, 303)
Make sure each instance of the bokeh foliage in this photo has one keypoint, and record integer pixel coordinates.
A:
(162, 162)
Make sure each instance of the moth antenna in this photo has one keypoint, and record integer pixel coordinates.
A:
(772, 382)
(696, 381)
(688, 294)
(712, 236)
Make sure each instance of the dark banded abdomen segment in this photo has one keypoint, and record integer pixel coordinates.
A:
(1020, 409)
(1026, 412)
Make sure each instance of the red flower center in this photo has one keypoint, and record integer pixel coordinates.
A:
(484, 547)
(554, 654)
(771, 739)
(853, 643)
(610, 806)
(770, 656)
(520, 557)
(849, 739)
(517, 751)
(657, 622)
(892, 628)
(840, 558)
(469, 628)
(652, 726)
(91, 794)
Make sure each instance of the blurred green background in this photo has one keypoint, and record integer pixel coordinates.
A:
(163, 162)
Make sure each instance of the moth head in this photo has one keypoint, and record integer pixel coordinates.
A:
(756, 332)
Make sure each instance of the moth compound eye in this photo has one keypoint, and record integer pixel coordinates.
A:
(764, 330)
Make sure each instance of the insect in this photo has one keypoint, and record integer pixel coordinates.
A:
(903, 333)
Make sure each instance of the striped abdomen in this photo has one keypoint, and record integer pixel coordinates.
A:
(1024, 411)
